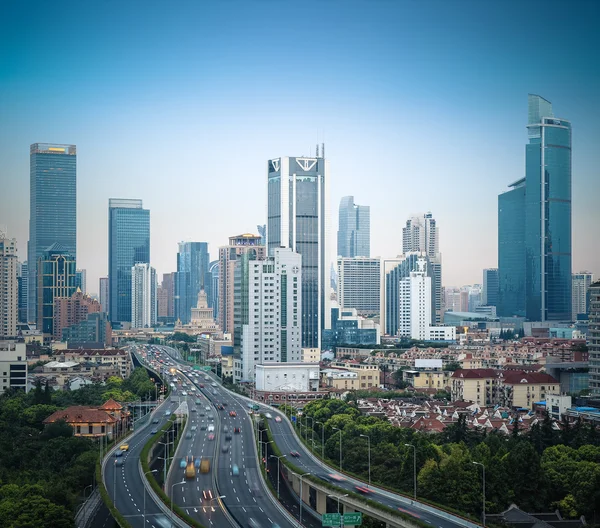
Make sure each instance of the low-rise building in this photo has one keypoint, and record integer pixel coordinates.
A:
(13, 366)
(340, 379)
(368, 375)
(311, 355)
(287, 377)
(117, 358)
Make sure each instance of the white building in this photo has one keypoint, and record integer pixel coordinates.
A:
(288, 377)
(359, 284)
(13, 366)
(9, 292)
(143, 296)
(273, 332)
(579, 293)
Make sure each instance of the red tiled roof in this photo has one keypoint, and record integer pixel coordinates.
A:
(111, 405)
(475, 373)
(513, 377)
(79, 414)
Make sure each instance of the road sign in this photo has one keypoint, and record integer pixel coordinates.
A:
(206, 368)
(196, 367)
(352, 519)
(331, 519)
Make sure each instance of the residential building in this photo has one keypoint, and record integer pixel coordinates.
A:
(92, 332)
(593, 338)
(165, 295)
(452, 300)
(359, 284)
(580, 296)
(428, 374)
(228, 256)
(489, 293)
(52, 208)
(22, 287)
(368, 375)
(557, 405)
(348, 328)
(103, 293)
(267, 323)
(128, 245)
(287, 377)
(534, 224)
(9, 287)
(117, 358)
(143, 296)
(354, 233)
(311, 355)
(192, 276)
(340, 379)
(69, 311)
(56, 278)
(297, 211)
(81, 280)
(13, 366)
(392, 271)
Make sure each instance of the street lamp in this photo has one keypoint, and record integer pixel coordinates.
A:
(300, 498)
(338, 497)
(278, 457)
(414, 469)
(483, 501)
(115, 484)
(176, 484)
(147, 473)
(322, 443)
(312, 424)
(369, 440)
(210, 508)
(339, 431)
(265, 448)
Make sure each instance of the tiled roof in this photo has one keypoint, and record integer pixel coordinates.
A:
(111, 405)
(78, 414)
(475, 373)
(513, 377)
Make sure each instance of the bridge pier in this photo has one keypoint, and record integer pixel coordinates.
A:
(321, 502)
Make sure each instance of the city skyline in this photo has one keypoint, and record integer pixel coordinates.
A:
(382, 126)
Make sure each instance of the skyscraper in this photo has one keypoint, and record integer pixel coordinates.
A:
(23, 283)
(103, 293)
(415, 303)
(354, 233)
(298, 219)
(580, 294)
(489, 294)
(81, 280)
(593, 338)
(9, 292)
(128, 245)
(359, 284)
(143, 296)
(192, 276)
(545, 197)
(52, 207)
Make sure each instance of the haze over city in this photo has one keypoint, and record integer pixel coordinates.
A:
(422, 107)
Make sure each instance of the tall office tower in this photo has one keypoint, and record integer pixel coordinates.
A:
(23, 282)
(81, 280)
(52, 207)
(421, 235)
(415, 303)
(143, 296)
(489, 293)
(359, 284)
(56, 278)
(9, 287)
(474, 297)
(452, 300)
(580, 295)
(464, 298)
(168, 284)
(103, 293)
(228, 256)
(534, 224)
(262, 231)
(593, 338)
(213, 269)
(128, 245)
(268, 309)
(354, 233)
(69, 311)
(162, 303)
(192, 276)
(298, 202)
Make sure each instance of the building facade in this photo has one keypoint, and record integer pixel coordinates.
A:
(69, 311)
(489, 292)
(348, 328)
(94, 331)
(415, 303)
(23, 287)
(288, 377)
(81, 280)
(354, 232)
(579, 294)
(128, 245)
(52, 207)
(103, 293)
(143, 296)
(297, 210)
(593, 338)
(192, 276)
(359, 284)
(13, 366)
(9, 287)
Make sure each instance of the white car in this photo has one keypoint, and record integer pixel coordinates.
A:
(211, 428)
(184, 393)
(268, 415)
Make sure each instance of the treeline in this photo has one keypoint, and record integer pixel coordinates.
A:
(543, 469)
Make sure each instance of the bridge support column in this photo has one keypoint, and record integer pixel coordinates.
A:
(305, 492)
(321, 502)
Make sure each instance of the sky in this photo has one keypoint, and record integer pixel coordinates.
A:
(422, 106)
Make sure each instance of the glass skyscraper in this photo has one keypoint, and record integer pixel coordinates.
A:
(52, 208)
(354, 232)
(192, 276)
(489, 294)
(297, 217)
(128, 244)
(543, 198)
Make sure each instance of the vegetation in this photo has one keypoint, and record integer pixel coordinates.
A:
(541, 470)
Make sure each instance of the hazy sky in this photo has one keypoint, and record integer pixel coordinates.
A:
(422, 105)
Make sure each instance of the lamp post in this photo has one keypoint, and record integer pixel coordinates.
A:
(115, 484)
(369, 440)
(414, 470)
(483, 480)
(265, 448)
(173, 486)
(322, 443)
(210, 508)
(300, 498)
(339, 431)
(312, 424)
(338, 497)
(278, 457)
(147, 473)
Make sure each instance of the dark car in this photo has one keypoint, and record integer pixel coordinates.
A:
(225, 448)
(228, 436)
(155, 421)
(154, 431)
(237, 430)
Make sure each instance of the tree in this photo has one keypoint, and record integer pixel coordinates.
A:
(452, 366)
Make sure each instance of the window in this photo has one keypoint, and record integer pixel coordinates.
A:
(90, 429)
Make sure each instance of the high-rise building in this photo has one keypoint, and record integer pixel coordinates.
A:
(23, 283)
(268, 308)
(534, 224)
(52, 207)
(474, 299)
(593, 338)
(9, 287)
(415, 303)
(228, 256)
(213, 269)
(359, 284)
(128, 245)
(262, 231)
(143, 296)
(489, 293)
(192, 276)
(81, 280)
(354, 233)
(580, 294)
(168, 285)
(69, 311)
(452, 300)
(91, 333)
(56, 278)
(103, 293)
(298, 201)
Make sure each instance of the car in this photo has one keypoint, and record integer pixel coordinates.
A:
(295, 454)
(225, 429)
(193, 409)
(325, 478)
(184, 393)
(188, 435)
(207, 408)
(119, 462)
(198, 402)
(232, 413)
(214, 391)
(225, 403)
(202, 414)
(210, 417)
(182, 463)
(207, 494)
(213, 384)
(201, 385)
(119, 453)
(194, 427)
(228, 436)
(154, 431)
(167, 413)
(124, 447)
(211, 436)
(235, 470)
(211, 428)
(336, 477)
(155, 421)
(203, 427)
(221, 408)
(253, 523)
(278, 419)
(197, 463)
(225, 448)
(268, 416)
(363, 489)
(237, 430)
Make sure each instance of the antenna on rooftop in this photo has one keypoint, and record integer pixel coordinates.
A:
(317, 150)
(322, 150)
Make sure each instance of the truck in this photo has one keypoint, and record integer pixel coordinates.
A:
(205, 465)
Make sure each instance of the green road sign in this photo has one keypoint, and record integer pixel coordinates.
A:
(196, 367)
(207, 369)
(352, 519)
(331, 519)
(191, 358)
